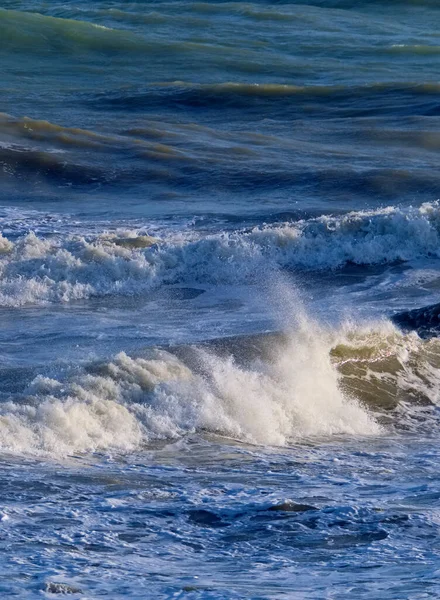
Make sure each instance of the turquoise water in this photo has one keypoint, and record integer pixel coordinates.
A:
(210, 212)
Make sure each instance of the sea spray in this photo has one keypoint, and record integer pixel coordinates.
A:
(290, 393)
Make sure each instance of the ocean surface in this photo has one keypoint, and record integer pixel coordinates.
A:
(210, 212)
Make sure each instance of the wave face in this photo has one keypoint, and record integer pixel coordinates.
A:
(26, 31)
(390, 371)
(270, 396)
(260, 390)
(59, 269)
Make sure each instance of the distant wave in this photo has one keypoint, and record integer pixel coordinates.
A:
(32, 164)
(422, 49)
(41, 151)
(24, 31)
(60, 269)
(40, 33)
(320, 101)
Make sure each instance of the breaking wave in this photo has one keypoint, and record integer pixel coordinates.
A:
(268, 396)
(308, 383)
(60, 269)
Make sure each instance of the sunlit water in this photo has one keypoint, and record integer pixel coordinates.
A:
(209, 212)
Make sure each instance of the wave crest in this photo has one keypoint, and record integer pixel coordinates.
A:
(127, 402)
(39, 270)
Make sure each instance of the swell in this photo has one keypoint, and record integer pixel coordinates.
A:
(127, 164)
(60, 269)
(34, 151)
(25, 31)
(32, 166)
(198, 158)
(287, 101)
(358, 4)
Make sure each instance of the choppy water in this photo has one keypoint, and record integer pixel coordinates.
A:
(209, 212)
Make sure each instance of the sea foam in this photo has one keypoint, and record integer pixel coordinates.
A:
(127, 402)
(59, 269)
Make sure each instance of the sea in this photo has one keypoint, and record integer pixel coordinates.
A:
(211, 213)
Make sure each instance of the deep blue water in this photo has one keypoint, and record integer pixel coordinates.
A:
(209, 213)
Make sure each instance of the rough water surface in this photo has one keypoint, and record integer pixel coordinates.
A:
(219, 287)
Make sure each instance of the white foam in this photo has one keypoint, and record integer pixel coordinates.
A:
(58, 269)
(131, 401)
(5, 245)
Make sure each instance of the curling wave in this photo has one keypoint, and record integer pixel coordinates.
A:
(273, 389)
(269, 396)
